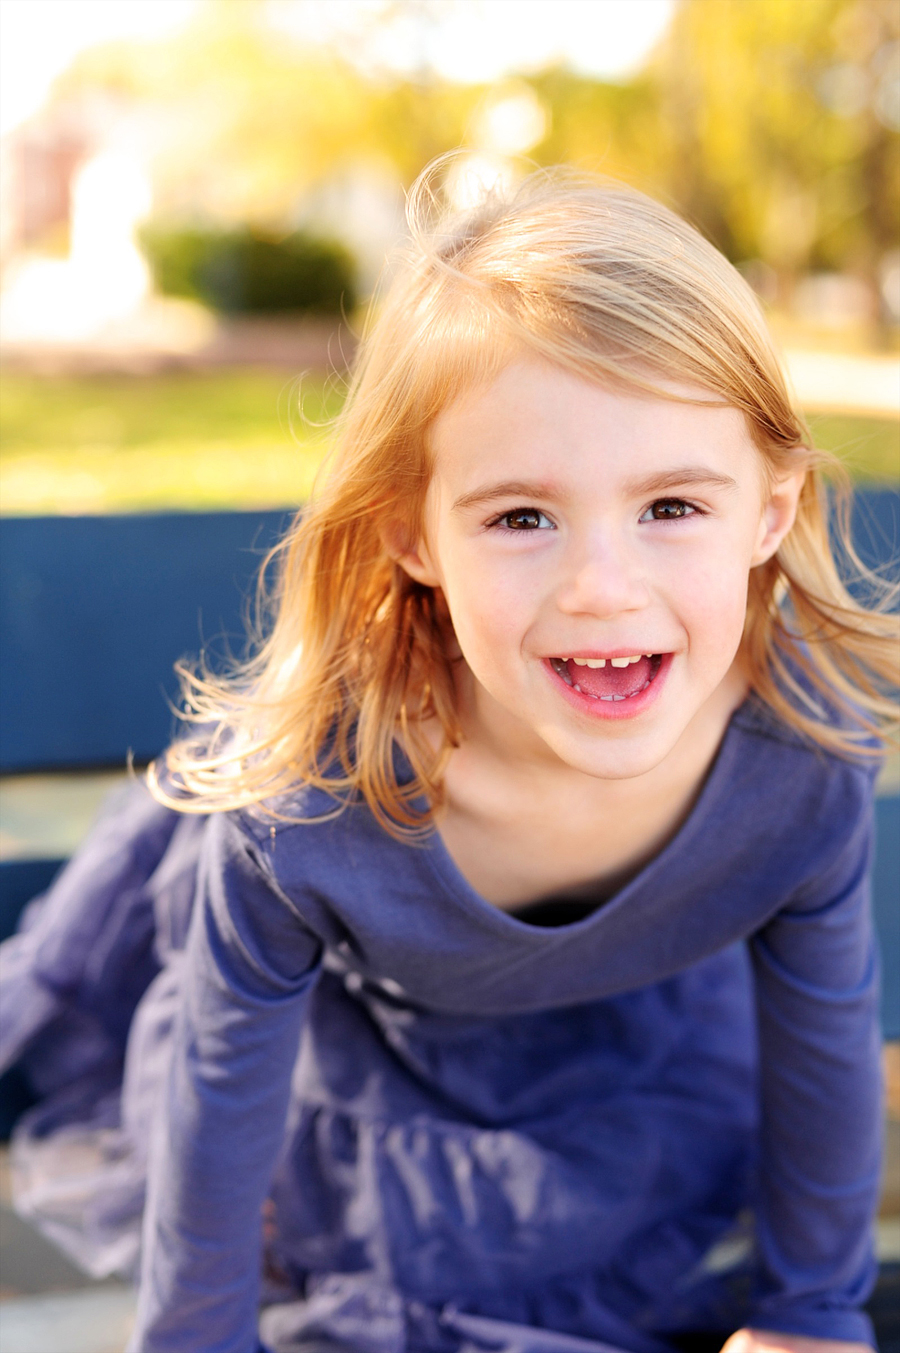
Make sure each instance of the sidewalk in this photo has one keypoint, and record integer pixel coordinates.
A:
(170, 337)
(47, 1305)
(830, 382)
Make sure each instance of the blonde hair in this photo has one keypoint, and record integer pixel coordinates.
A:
(355, 655)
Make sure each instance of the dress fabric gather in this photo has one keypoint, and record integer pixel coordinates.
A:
(403, 1119)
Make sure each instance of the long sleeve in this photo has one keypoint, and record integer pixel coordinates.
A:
(817, 996)
(250, 966)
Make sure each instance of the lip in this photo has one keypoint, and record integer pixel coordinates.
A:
(630, 708)
(607, 653)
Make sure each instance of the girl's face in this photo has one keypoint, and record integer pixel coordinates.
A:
(594, 549)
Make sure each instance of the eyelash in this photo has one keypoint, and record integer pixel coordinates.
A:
(692, 509)
(498, 522)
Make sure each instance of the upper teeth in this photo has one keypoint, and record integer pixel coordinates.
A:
(601, 662)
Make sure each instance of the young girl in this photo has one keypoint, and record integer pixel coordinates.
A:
(498, 944)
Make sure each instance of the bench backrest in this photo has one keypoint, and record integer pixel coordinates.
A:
(94, 611)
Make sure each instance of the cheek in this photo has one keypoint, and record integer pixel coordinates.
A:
(713, 602)
(484, 610)
(491, 606)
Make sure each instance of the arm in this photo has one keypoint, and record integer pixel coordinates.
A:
(820, 1088)
(249, 969)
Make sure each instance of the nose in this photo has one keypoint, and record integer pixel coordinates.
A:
(602, 578)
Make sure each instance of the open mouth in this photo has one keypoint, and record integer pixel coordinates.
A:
(610, 679)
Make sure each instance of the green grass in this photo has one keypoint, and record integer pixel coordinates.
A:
(869, 447)
(225, 439)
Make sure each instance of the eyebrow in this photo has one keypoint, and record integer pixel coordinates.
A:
(684, 476)
(510, 488)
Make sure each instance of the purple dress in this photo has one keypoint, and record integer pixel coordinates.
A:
(474, 1133)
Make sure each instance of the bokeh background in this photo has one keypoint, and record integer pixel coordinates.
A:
(197, 198)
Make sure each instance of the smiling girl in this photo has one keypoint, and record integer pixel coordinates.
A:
(508, 910)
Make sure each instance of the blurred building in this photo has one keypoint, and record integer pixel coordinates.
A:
(39, 164)
(75, 185)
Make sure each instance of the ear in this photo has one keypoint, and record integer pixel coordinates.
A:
(413, 559)
(778, 516)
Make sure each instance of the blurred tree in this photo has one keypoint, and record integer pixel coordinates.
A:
(254, 118)
(242, 120)
(608, 128)
(773, 124)
(778, 124)
(248, 271)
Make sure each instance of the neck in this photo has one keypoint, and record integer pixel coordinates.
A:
(521, 824)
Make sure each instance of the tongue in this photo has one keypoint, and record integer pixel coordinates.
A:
(610, 680)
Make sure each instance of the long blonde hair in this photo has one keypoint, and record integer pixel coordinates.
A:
(353, 655)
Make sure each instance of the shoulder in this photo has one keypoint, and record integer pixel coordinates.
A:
(776, 742)
(804, 798)
(324, 856)
(309, 823)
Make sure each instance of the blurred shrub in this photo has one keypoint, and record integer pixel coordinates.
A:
(246, 271)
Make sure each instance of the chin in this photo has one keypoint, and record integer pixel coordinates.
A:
(619, 759)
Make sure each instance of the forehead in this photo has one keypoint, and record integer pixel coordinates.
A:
(537, 418)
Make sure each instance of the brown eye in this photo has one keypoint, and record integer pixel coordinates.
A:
(667, 509)
(525, 519)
